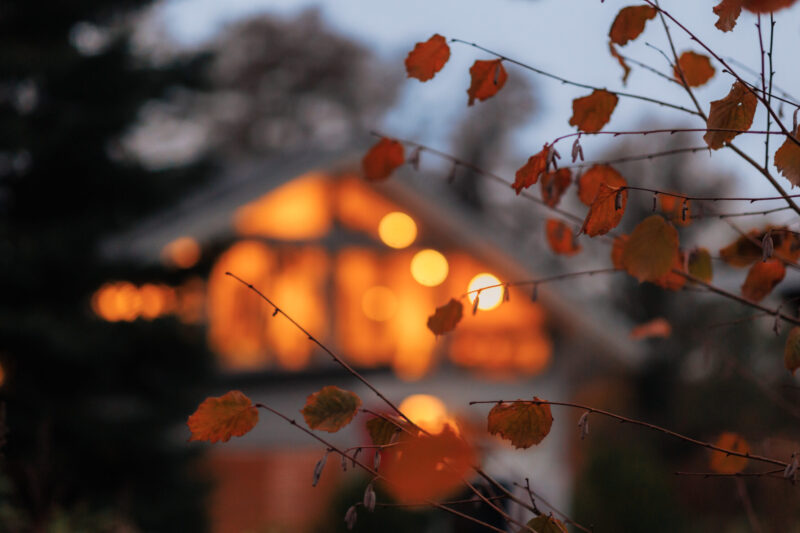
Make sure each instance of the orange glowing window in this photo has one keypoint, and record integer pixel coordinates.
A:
(429, 267)
(298, 210)
(361, 209)
(487, 298)
(182, 253)
(397, 230)
(379, 303)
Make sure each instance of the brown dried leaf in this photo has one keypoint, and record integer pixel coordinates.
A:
(560, 238)
(446, 317)
(592, 112)
(330, 408)
(697, 69)
(522, 423)
(428, 58)
(528, 174)
(605, 212)
(723, 463)
(629, 23)
(487, 77)
(728, 11)
(762, 278)
(382, 159)
(734, 112)
(650, 251)
(787, 159)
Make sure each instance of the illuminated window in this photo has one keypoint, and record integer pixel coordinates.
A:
(397, 230)
(488, 298)
(182, 253)
(379, 303)
(298, 210)
(429, 268)
(428, 412)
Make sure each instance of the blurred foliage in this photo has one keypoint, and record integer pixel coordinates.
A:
(92, 407)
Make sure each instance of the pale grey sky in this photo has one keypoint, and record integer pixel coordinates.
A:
(566, 37)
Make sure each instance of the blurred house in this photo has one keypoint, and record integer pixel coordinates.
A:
(361, 266)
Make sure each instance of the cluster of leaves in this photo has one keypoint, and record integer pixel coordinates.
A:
(417, 466)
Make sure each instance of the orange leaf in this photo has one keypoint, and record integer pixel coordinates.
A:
(616, 251)
(528, 174)
(446, 317)
(762, 278)
(381, 160)
(428, 58)
(697, 69)
(589, 182)
(488, 77)
(621, 60)
(766, 6)
(606, 211)
(330, 409)
(223, 417)
(787, 159)
(554, 184)
(629, 23)
(545, 524)
(728, 11)
(791, 352)
(743, 251)
(672, 281)
(650, 251)
(522, 423)
(734, 112)
(700, 265)
(678, 210)
(426, 467)
(560, 238)
(592, 112)
(723, 463)
(658, 327)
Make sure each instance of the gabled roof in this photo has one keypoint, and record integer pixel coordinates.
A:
(207, 216)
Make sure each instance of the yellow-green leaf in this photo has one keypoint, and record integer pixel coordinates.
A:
(791, 353)
(330, 409)
(522, 423)
(545, 524)
(381, 430)
(650, 250)
(700, 265)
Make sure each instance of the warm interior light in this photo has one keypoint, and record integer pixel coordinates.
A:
(379, 303)
(298, 210)
(429, 268)
(397, 230)
(428, 412)
(182, 253)
(488, 298)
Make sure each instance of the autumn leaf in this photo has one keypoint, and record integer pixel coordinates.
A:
(592, 112)
(616, 251)
(672, 281)
(629, 23)
(762, 278)
(381, 430)
(700, 264)
(381, 160)
(721, 462)
(446, 317)
(554, 184)
(734, 112)
(522, 423)
(487, 77)
(791, 352)
(651, 249)
(528, 174)
(697, 69)
(678, 210)
(420, 467)
(787, 159)
(606, 211)
(727, 11)
(766, 6)
(561, 238)
(223, 417)
(589, 182)
(330, 409)
(656, 328)
(743, 251)
(428, 58)
(621, 60)
(545, 524)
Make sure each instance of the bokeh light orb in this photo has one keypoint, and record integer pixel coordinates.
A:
(425, 410)
(397, 230)
(429, 267)
(489, 298)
